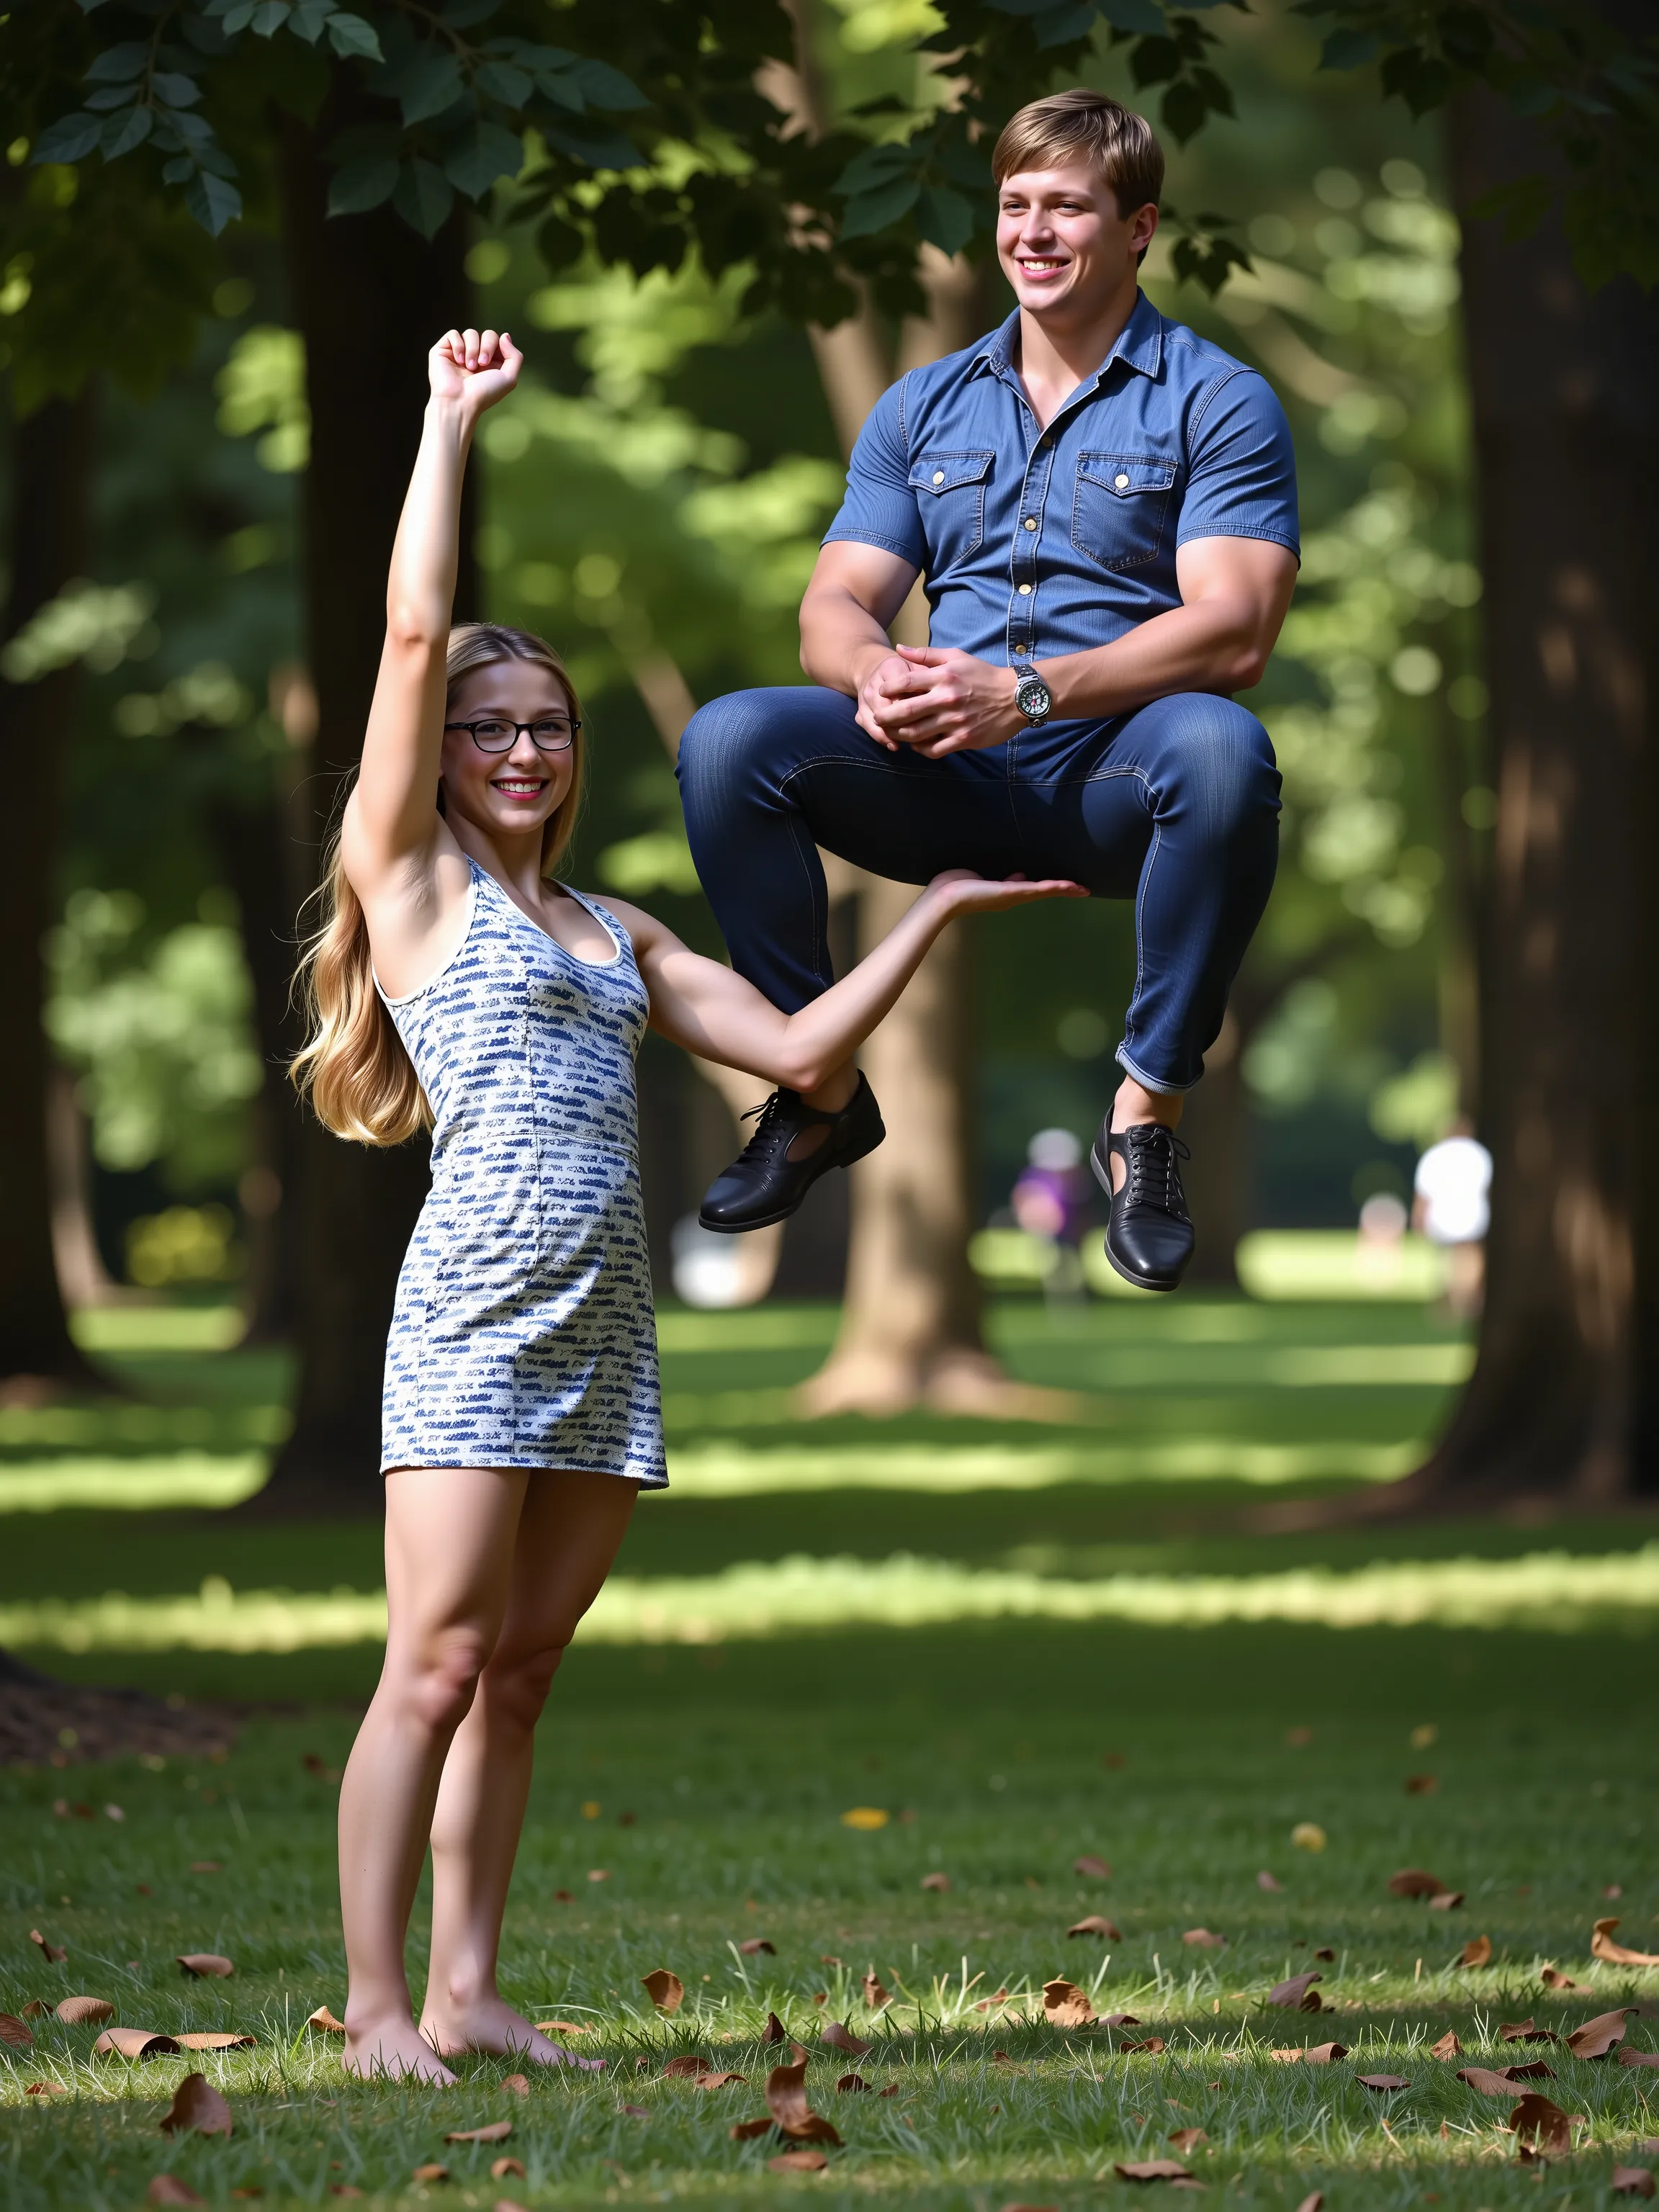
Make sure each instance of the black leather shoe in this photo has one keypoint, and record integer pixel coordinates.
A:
(792, 1145)
(1148, 1236)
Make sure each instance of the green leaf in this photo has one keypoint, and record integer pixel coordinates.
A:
(176, 171)
(943, 216)
(870, 212)
(501, 81)
(558, 86)
(173, 90)
(605, 86)
(309, 18)
(591, 142)
(1347, 50)
(1059, 25)
(113, 95)
(363, 183)
(268, 18)
(350, 34)
(237, 18)
(429, 83)
(70, 138)
(560, 245)
(874, 166)
(118, 65)
(1139, 18)
(488, 151)
(424, 197)
(1520, 205)
(123, 132)
(213, 203)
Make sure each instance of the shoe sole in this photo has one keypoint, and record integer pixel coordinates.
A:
(767, 1220)
(1103, 1177)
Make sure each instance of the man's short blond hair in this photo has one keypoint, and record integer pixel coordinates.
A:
(1085, 126)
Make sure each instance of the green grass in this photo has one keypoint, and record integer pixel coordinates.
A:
(1011, 1745)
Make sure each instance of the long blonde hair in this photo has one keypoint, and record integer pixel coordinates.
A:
(353, 1067)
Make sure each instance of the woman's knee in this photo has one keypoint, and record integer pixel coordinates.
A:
(437, 1673)
(516, 1682)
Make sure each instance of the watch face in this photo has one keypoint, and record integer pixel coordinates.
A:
(1033, 698)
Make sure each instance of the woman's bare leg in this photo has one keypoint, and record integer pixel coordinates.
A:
(450, 1535)
(568, 1532)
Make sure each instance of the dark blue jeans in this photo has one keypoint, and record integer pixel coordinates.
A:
(1174, 806)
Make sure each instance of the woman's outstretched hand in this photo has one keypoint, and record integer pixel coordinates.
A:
(474, 367)
(961, 892)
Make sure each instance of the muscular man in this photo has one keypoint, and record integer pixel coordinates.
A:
(1104, 508)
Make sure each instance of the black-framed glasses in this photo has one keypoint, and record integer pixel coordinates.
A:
(495, 735)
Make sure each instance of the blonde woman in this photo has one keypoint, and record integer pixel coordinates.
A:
(456, 982)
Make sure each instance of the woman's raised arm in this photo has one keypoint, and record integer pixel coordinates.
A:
(392, 812)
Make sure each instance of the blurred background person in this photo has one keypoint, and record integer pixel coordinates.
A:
(1452, 1207)
(1051, 1200)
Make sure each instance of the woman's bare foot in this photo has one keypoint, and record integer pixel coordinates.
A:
(490, 2024)
(394, 2048)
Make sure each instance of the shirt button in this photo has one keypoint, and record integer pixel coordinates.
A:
(1025, 590)
(1030, 522)
(1119, 480)
(938, 477)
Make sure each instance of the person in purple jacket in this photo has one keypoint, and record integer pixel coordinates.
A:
(1102, 508)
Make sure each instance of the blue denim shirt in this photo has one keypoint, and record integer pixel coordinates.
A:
(1037, 543)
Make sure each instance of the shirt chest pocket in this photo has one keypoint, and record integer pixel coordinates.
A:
(950, 490)
(1120, 510)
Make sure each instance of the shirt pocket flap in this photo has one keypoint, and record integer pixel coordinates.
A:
(1125, 474)
(941, 472)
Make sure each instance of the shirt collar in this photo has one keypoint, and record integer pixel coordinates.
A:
(1140, 345)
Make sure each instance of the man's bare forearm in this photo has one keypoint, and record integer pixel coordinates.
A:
(840, 640)
(1212, 645)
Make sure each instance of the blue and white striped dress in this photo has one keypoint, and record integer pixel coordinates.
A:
(523, 1333)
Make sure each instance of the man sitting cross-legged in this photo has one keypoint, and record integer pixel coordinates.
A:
(1104, 508)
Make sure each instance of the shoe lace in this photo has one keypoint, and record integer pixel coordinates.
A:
(769, 1129)
(1154, 1154)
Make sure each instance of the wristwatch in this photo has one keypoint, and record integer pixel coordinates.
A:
(1031, 694)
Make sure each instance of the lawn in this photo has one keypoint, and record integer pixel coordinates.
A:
(756, 1680)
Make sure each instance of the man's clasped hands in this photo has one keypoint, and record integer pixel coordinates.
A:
(938, 700)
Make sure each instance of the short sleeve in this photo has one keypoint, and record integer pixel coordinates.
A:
(1241, 478)
(880, 508)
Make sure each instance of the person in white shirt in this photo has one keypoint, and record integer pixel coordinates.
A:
(1452, 1207)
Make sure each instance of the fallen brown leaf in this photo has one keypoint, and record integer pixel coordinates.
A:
(562, 2027)
(1632, 2181)
(1477, 1952)
(1629, 2057)
(1534, 2070)
(1535, 2120)
(197, 2109)
(635, 2112)
(1325, 1952)
(1382, 2081)
(840, 2037)
(496, 2131)
(754, 1945)
(747, 2131)
(167, 2189)
(324, 2022)
(1095, 1924)
(874, 1995)
(1121, 2020)
(1290, 1995)
(1153, 2169)
(55, 1956)
(775, 2030)
(207, 1866)
(829, 1958)
(798, 2161)
(1448, 2047)
(16, 2032)
(82, 2012)
(1152, 2046)
(1524, 2031)
(598, 1874)
(518, 2083)
(1316, 2054)
(666, 1991)
(135, 2043)
(1416, 1881)
(717, 2080)
(936, 1880)
(345, 2188)
(1205, 1939)
(1554, 1978)
(35, 2010)
(564, 1897)
(1594, 2038)
(851, 2082)
(1603, 1947)
(1422, 1786)
(1448, 1900)
(215, 2042)
(205, 1965)
(1091, 1869)
(1064, 2004)
(501, 2168)
(683, 2065)
(1312, 2201)
(786, 2100)
(1497, 2081)
(45, 2090)
(433, 2173)
(1184, 2138)
(1268, 1881)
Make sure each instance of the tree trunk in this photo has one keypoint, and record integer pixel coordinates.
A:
(370, 298)
(52, 467)
(1565, 1398)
